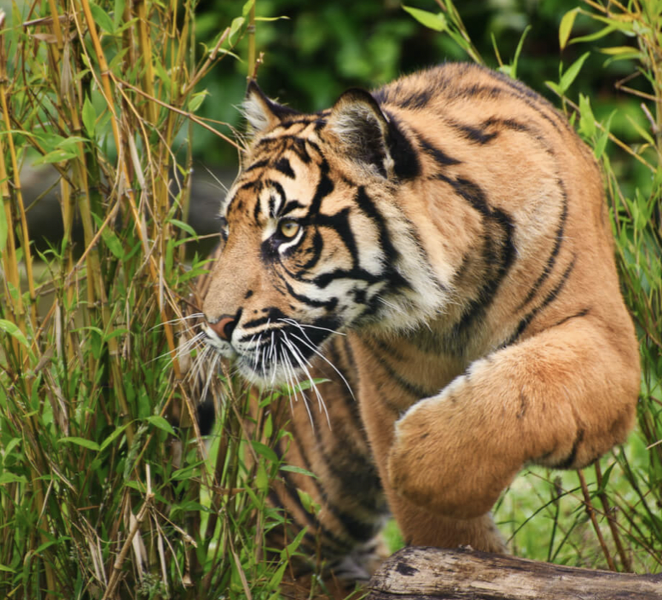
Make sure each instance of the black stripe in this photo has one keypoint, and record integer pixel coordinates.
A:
(257, 209)
(407, 386)
(257, 165)
(405, 158)
(508, 124)
(341, 464)
(440, 157)
(578, 315)
(291, 490)
(551, 261)
(551, 296)
(391, 254)
(273, 314)
(477, 90)
(291, 142)
(315, 250)
(289, 207)
(328, 305)
(283, 165)
(418, 99)
(472, 134)
(324, 279)
(534, 100)
(339, 222)
(570, 460)
(323, 189)
(498, 250)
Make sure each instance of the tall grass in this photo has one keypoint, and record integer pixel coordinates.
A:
(106, 491)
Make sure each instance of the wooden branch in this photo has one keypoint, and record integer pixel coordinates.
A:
(417, 573)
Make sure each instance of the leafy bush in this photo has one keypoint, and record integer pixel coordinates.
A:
(105, 489)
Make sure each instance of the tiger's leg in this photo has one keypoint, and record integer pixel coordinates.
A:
(560, 398)
(419, 525)
(349, 508)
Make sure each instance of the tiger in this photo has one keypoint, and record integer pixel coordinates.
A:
(436, 258)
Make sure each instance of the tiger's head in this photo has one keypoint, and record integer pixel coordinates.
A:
(315, 239)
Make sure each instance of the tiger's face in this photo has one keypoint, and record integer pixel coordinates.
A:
(311, 245)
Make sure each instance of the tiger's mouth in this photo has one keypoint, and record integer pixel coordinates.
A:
(281, 354)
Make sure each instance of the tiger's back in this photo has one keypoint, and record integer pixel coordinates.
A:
(453, 227)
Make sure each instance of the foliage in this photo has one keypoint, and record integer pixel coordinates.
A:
(105, 489)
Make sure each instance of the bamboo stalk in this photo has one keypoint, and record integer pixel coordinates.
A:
(9, 255)
(106, 76)
(625, 559)
(251, 42)
(146, 54)
(591, 514)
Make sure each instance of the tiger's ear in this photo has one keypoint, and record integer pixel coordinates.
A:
(261, 112)
(363, 129)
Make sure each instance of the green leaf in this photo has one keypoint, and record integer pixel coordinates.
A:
(594, 36)
(247, 7)
(265, 451)
(196, 101)
(270, 19)
(71, 142)
(291, 548)
(642, 132)
(554, 87)
(185, 226)
(306, 501)
(601, 144)
(79, 441)
(586, 120)
(618, 50)
(261, 479)
(118, 13)
(101, 18)
(115, 332)
(571, 74)
(237, 24)
(161, 72)
(113, 243)
(432, 21)
(12, 478)
(6, 569)
(89, 117)
(112, 437)
(13, 330)
(565, 28)
(161, 423)
(56, 156)
(518, 51)
(300, 470)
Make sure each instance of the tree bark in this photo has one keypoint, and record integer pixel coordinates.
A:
(417, 573)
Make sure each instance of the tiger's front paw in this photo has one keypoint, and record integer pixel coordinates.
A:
(437, 465)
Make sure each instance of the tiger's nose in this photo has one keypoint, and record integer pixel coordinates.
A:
(224, 327)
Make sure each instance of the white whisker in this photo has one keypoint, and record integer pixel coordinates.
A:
(304, 364)
(180, 320)
(293, 322)
(327, 361)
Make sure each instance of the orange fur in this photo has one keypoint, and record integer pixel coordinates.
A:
(453, 227)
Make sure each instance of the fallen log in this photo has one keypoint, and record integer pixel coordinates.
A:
(418, 573)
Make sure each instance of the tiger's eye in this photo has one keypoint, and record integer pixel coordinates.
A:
(289, 228)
